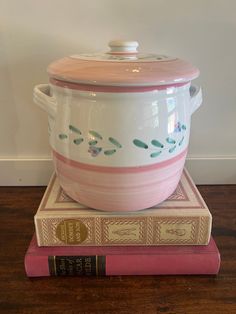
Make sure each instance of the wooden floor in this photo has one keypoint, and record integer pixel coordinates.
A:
(144, 294)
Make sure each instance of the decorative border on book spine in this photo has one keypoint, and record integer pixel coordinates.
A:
(97, 233)
(128, 231)
(204, 234)
(149, 230)
(124, 230)
(176, 230)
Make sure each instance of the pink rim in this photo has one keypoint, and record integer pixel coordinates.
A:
(119, 188)
(122, 73)
(105, 169)
(113, 89)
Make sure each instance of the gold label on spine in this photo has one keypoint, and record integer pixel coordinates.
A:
(71, 231)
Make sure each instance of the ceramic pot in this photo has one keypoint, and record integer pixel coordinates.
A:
(119, 125)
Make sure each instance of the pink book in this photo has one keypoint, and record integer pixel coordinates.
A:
(121, 260)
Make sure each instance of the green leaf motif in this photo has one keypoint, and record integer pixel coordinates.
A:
(140, 144)
(74, 129)
(157, 143)
(181, 141)
(183, 127)
(78, 141)
(93, 142)
(109, 152)
(172, 149)
(156, 154)
(115, 142)
(170, 140)
(62, 136)
(95, 134)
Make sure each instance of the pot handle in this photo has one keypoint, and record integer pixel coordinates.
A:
(195, 98)
(44, 100)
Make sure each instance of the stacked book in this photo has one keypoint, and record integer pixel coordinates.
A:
(172, 238)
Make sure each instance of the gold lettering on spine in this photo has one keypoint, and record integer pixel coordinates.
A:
(88, 265)
(55, 265)
(52, 265)
(97, 265)
(71, 231)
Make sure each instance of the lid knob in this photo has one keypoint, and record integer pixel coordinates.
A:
(123, 47)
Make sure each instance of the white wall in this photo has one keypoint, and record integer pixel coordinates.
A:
(34, 33)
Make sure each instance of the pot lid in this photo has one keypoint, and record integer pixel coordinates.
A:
(123, 65)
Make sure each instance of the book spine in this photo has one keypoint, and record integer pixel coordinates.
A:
(123, 231)
(112, 265)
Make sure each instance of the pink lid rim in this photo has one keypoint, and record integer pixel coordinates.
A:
(113, 89)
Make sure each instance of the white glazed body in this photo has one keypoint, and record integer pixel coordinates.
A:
(125, 117)
(119, 150)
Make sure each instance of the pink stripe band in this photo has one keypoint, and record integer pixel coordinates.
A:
(103, 169)
(112, 89)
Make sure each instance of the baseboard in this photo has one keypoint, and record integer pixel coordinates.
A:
(36, 172)
(212, 170)
(25, 172)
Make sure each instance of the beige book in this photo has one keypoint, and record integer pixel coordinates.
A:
(183, 219)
